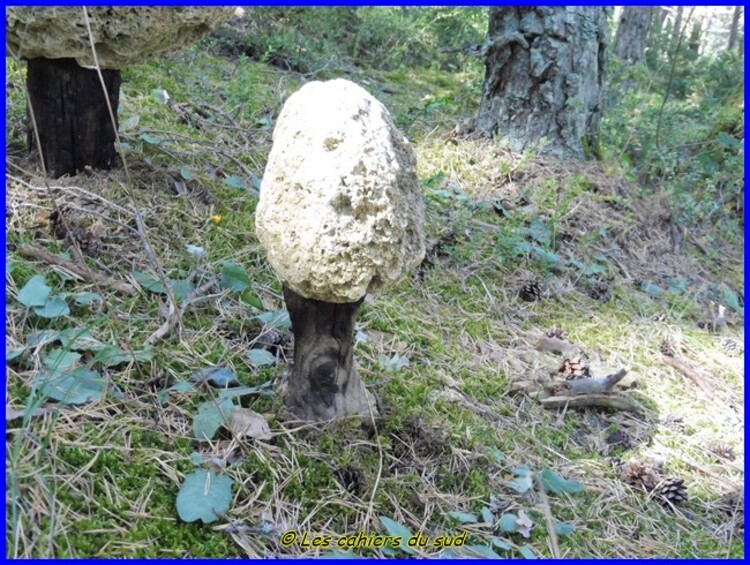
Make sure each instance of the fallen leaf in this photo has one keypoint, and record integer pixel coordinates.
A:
(247, 423)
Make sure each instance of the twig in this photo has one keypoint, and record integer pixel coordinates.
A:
(82, 271)
(691, 374)
(614, 400)
(554, 545)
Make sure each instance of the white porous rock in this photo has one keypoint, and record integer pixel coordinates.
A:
(340, 212)
(122, 36)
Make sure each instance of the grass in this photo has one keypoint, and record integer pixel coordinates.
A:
(101, 479)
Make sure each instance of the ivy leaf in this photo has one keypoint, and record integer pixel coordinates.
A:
(508, 523)
(523, 481)
(79, 339)
(483, 551)
(220, 377)
(556, 484)
(196, 459)
(55, 307)
(497, 456)
(152, 139)
(149, 282)
(185, 174)
(210, 417)
(260, 358)
(562, 529)
(203, 496)
(111, 355)
(34, 293)
(395, 529)
(60, 359)
(234, 277)
(241, 391)
(235, 182)
(255, 183)
(11, 354)
(525, 550)
(278, 319)
(501, 544)
(463, 517)
(539, 232)
(43, 337)
(79, 386)
(731, 299)
(487, 516)
(86, 298)
(181, 287)
(650, 289)
(332, 554)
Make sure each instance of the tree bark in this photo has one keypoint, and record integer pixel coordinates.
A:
(544, 76)
(734, 28)
(632, 33)
(71, 113)
(677, 29)
(324, 383)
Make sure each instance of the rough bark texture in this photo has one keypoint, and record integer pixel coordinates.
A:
(544, 74)
(734, 28)
(324, 383)
(75, 127)
(677, 27)
(632, 33)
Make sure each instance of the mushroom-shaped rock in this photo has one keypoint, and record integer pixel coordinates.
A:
(340, 215)
(70, 109)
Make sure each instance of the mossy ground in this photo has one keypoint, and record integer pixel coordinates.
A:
(101, 480)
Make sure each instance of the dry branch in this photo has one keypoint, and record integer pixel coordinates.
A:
(615, 400)
(82, 271)
(690, 373)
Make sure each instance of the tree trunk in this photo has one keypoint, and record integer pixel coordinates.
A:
(656, 43)
(324, 383)
(676, 30)
(735, 27)
(694, 41)
(544, 76)
(75, 128)
(632, 33)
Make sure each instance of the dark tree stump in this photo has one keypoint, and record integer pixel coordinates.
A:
(75, 128)
(324, 383)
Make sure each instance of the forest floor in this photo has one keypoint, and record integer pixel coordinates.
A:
(454, 353)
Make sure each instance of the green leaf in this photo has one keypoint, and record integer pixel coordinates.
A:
(203, 496)
(508, 523)
(463, 517)
(497, 456)
(548, 256)
(234, 277)
(562, 529)
(185, 174)
(592, 269)
(79, 339)
(333, 554)
(87, 298)
(111, 355)
(525, 550)
(60, 359)
(235, 182)
(395, 529)
(11, 354)
(152, 139)
(43, 337)
(539, 232)
(250, 298)
(149, 281)
(731, 300)
(523, 481)
(210, 417)
(8, 267)
(650, 288)
(182, 386)
(556, 484)
(501, 544)
(80, 386)
(181, 288)
(196, 459)
(130, 123)
(677, 286)
(34, 293)
(55, 307)
(255, 183)
(220, 377)
(487, 516)
(278, 319)
(260, 358)
(483, 551)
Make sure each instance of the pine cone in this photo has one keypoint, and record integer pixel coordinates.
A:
(722, 451)
(573, 368)
(556, 333)
(351, 479)
(642, 476)
(731, 347)
(670, 492)
(268, 339)
(530, 291)
(599, 290)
